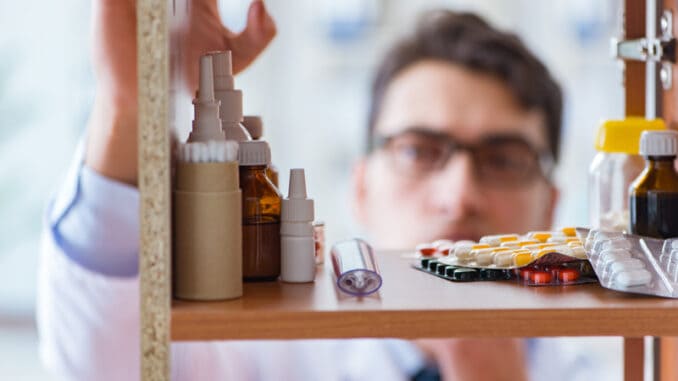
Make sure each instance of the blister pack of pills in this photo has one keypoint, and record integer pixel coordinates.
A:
(536, 258)
(631, 263)
(506, 251)
(550, 270)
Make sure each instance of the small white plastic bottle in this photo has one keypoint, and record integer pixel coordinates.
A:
(297, 246)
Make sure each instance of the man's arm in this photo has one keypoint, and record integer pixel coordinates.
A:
(112, 131)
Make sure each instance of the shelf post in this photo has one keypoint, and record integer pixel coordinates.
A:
(154, 187)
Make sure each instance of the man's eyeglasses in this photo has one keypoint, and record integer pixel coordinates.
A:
(501, 160)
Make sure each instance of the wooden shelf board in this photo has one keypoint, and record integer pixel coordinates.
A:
(412, 304)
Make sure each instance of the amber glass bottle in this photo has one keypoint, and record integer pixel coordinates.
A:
(261, 203)
(654, 194)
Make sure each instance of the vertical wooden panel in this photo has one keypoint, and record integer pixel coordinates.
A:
(634, 105)
(668, 357)
(634, 358)
(154, 187)
(634, 72)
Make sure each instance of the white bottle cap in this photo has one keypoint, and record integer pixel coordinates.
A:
(297, 207)
(253, 125)
(230, 98)
(659, 143)
(254, 152)
(206, 125)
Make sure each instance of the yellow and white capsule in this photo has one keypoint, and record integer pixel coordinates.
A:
(484, 257)
(526, 242)
(521, 257)
(496, 240)
(462, 252)
(579, 252)
(542, 236)
(503, 259)
(574, 244)
(510, 244)
(539, 246)
(569, 231)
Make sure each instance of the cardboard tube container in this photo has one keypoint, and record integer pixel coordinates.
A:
(207, 261)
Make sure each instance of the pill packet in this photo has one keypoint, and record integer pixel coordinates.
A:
(550, 270)
(632, 263)
(498, 257)
(506, 251)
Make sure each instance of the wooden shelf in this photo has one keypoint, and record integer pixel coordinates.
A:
(412, 304)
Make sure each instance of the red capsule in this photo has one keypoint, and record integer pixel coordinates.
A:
(554, 269)
(444, 250)
(426, 250)
(525, 274)
(541, 277)
(568, 275)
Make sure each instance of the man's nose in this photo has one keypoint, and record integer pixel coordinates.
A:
(456, 190)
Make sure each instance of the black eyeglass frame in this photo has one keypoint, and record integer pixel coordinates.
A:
(545, 158)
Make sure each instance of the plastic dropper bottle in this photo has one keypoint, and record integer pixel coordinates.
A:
(296, 232)
(654, 194)
(230, 110)
(255, 127)
(261, 204)
(206, 125)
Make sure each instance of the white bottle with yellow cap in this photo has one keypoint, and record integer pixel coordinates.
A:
(613, 169)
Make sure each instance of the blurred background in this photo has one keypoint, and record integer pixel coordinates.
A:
(311, 87)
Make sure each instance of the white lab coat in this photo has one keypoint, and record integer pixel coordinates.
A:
(88, 320)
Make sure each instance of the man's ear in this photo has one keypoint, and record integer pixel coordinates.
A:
(358, 190)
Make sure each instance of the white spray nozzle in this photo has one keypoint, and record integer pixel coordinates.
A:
(297, 184)
(206, 122)
(223, 70)
(206, 89)
(230, 110)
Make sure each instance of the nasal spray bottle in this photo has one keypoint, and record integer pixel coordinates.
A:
(255, 127)
(296, 232)
(207, 263)
(230, 110)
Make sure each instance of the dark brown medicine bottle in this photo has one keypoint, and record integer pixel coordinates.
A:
(261, 203)
(654, 193)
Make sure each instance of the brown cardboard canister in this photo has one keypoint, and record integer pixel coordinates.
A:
(207, 232)
(207, 255)
(207, 177)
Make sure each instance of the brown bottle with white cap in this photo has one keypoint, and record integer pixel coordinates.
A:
(654, 194)
(261, 204)
(255, 127)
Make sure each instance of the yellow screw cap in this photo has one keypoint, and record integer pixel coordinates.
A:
(623, 136)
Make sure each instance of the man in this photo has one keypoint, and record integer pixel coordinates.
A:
(507, 119)
(464, 129)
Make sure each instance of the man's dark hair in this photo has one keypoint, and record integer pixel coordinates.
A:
(467, 40)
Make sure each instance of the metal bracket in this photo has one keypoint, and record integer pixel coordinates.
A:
(645, 49)
(649, 49)
(660, 50)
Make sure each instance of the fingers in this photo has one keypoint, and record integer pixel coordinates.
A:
(258, 33)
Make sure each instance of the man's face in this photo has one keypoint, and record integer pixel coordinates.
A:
(403, 199)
